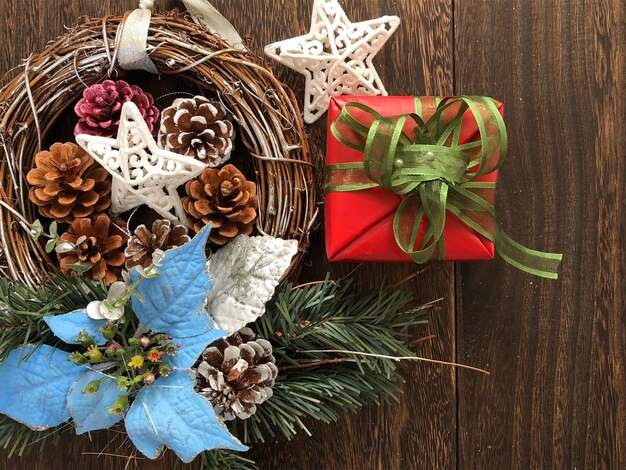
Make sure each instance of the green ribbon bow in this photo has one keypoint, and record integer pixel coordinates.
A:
(424, 163)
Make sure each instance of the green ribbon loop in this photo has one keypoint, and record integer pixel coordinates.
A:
(424, 162)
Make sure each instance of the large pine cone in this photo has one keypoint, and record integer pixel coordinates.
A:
(66, 183)
(145, 242)
(100, 108)
(224, 198)
(197, 127)
(100, 255)
(236, 374)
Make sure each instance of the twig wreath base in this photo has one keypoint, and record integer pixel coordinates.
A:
(48, 82)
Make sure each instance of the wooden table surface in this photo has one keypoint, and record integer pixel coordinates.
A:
(556, 350)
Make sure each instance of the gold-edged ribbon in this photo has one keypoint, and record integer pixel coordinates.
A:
(424, 162)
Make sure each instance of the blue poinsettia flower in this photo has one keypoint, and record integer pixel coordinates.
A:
(41, 388)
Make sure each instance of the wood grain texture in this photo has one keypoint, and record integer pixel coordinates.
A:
(557, 350)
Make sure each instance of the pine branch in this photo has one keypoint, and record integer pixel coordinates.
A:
(225, 460)
(19, 439)
(23, 308)
(314, 385)
(299, 322)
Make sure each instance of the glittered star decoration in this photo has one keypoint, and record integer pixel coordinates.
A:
(335, 56)
(142, 172)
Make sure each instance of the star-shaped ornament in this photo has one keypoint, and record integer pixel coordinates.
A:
(335, 56)
(142, 172)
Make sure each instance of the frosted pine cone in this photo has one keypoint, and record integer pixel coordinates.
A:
(145, 242)
(197, 127)
(236, 374)
(101, 106)
(66, 183)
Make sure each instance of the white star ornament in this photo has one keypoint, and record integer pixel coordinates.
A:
(142, 172)
(335, 56)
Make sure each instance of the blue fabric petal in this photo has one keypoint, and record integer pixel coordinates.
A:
(170, 413)
(192, 347)
(34, 391)
(91, 412)
(172, 302)
(67, 327)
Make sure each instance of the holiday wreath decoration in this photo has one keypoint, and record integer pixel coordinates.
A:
(266, 116)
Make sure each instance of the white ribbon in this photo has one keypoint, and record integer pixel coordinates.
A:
(132, 51)
(132, 44)
(206, 14)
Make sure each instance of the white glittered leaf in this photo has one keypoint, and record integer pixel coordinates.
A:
(246, 271)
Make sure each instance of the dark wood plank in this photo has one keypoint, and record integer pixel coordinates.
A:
(557, 350)
(420, 432)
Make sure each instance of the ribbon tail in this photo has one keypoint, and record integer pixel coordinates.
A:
(478, 214)
(132, 41)
(430, 205)
(206, 14)
(535, 262)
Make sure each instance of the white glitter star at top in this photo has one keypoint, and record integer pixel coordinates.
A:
(142, 172)
(335, 56)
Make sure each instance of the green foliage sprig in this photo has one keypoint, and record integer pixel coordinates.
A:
(22, 309)
(312, 385)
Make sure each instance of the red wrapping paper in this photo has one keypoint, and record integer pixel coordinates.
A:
(359, 224)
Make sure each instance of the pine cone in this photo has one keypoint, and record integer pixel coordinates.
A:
(236, 374)
(101, 106)
(100, 254)
(197, 127)
(67, 184)
(224, 198)
(144, 242)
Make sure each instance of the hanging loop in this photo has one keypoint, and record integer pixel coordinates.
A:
(132, 40)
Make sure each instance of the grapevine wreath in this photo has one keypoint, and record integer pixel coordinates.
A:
(146, 263)
(265, 111)
(148, 258)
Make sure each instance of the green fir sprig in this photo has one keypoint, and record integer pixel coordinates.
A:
(312, 385)
(22, 309)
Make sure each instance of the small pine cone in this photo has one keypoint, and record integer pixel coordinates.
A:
(67, 184)
(197, 127)
(100, 254)
(144, 242)
(236, 374)
(100, 108)
(224, 198)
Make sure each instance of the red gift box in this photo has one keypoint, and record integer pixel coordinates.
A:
(359, 224)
